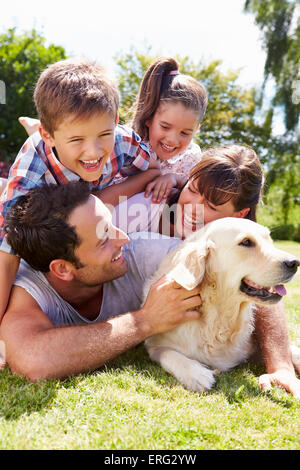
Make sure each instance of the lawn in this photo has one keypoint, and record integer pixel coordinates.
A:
(133, 404)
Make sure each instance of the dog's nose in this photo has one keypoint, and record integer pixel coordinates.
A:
(291, 265)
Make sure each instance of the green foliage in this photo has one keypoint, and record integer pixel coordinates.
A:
(22, 58)
(283, 222)
(279, 22)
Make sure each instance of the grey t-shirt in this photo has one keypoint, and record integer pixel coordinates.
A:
(122, 295)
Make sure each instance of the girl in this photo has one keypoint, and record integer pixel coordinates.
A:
(167, 114)
(227, 182)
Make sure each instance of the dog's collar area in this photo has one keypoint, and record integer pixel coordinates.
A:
(273, 294)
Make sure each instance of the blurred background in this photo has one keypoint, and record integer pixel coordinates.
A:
(245, 52)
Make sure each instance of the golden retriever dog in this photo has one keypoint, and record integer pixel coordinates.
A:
(237, 266)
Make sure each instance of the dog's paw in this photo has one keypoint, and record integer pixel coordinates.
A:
(197, 377)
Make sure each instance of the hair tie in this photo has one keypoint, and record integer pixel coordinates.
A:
(174, 72)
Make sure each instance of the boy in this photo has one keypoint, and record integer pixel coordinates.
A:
(79, 138)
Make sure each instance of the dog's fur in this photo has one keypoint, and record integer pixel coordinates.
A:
(219, 256)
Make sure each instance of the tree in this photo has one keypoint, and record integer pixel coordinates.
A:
(22, 58)
(279, 21)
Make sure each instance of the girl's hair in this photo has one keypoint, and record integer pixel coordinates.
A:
(230, 173)
(162, 82)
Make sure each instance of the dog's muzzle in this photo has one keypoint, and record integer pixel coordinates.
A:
(272, 294)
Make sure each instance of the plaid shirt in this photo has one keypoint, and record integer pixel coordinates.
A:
(36, 165)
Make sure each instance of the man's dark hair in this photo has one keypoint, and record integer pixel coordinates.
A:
(37, 227)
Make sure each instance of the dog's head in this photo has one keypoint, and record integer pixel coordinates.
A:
(241, 257)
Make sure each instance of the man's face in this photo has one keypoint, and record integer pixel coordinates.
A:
(100, 250)
(84, 145)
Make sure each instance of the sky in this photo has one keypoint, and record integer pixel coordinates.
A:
(204, 30)
(201, 29)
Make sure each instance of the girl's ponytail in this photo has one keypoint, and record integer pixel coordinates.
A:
(156, 80)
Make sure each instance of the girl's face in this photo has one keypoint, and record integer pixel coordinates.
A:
(171, 129)
(194, 210)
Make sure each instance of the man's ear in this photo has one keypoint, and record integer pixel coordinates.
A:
(47, 138)
(117, 119)
(190, 265)
(62, 269)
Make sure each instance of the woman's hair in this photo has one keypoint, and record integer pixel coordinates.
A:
(162, 83)
(230, 173)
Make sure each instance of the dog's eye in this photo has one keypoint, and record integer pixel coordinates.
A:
(247, 243)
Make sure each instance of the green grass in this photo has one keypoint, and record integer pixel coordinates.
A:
(133, 404)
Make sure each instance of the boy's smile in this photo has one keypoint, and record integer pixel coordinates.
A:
(83, 145)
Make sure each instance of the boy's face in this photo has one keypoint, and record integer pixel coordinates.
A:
(83, 145)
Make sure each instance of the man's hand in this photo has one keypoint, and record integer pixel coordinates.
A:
(284, 378)
(168, 305)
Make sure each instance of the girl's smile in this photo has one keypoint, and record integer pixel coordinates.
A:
(171, 129)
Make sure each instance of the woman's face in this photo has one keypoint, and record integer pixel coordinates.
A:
(194, 210)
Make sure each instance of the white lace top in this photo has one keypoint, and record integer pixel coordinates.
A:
(182, 163)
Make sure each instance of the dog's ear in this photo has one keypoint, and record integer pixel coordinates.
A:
(190, 265)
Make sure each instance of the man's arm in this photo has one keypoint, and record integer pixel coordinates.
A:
(271, 332)
(132, 185)
(38, 350)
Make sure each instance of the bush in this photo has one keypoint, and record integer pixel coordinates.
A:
(22, 58)
(286, 232)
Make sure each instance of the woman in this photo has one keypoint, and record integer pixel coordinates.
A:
(227, 182)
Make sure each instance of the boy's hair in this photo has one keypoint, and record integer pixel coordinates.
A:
(37, 225)
(74, 87)
(162, 83)
(230, 173)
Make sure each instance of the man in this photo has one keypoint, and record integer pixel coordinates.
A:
(88, 267)
(80, 304)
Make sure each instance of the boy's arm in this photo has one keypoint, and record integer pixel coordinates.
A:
(38, 350)
(9, 265)
(132, 185)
